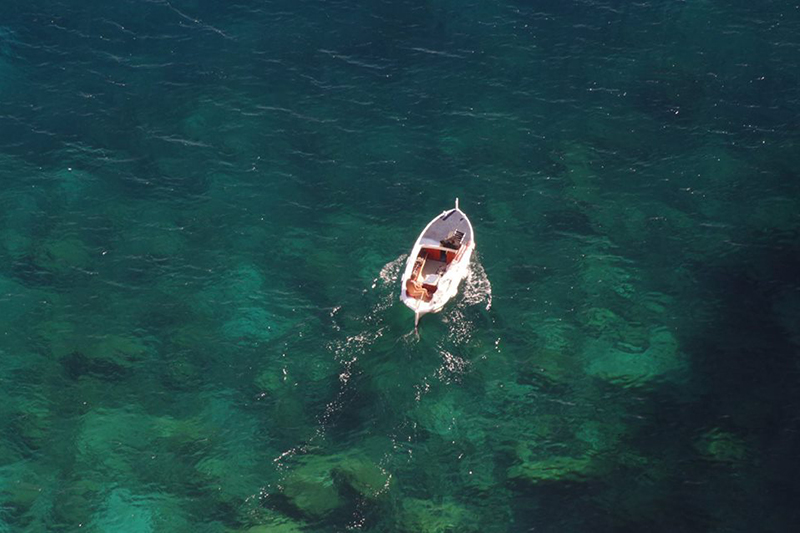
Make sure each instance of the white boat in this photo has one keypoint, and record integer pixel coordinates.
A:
(438, 262)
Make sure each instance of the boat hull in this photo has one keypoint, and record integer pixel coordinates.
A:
(457, 269)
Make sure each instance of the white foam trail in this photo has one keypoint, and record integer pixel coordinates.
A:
(387, 285)
(390, 272)
(477, 287)
(476, 290)
(348, 350)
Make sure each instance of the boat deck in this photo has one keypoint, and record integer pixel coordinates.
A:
(447, 223)
(433, 267)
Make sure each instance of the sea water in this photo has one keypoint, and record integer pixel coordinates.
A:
(206, 207)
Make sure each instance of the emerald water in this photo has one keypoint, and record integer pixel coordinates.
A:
(206, 207)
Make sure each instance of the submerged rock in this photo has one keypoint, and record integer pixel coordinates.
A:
(256, 518)
(607, 276)
(63, 255)
(554, 334)
(278, 525)
(606, 324)
(553, 469)
(239, 287)
(321, 484)
(600, 436)
(440, 417)
(363, 476)
(536, 465)
(311, 488)
(506, 398)
(271, 380)
(14, 243)
(20, 491)
(251, 325)
(579, 172)
(778, 213)
(109, 440)
(181, 374)
(108, 356)
(424, 516)
(33, 424)
(181, 435)
(72, 184)
(229, 480)
(123, 510)
(721, 446)
(16, 300)
(239, 301)
(75, 501)
(612, 363)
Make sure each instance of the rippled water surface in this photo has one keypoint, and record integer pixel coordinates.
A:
(206, 207)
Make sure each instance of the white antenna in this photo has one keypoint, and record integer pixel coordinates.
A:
(456, 203)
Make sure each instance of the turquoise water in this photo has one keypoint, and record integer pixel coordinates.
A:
(206, 207)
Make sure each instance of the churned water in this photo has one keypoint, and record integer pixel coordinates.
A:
(206, 206)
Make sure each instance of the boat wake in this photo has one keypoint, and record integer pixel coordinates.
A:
(462, 321)
(477, 288)
(361, 332)
(390, 272)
